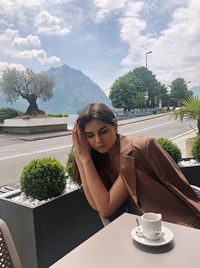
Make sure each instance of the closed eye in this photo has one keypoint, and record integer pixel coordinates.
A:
(89, 135)
(103, 131)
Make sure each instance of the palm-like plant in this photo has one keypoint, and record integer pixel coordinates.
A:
(190, 110)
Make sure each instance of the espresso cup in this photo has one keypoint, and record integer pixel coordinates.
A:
(151, 226)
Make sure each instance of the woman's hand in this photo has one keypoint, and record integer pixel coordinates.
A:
(81, 146)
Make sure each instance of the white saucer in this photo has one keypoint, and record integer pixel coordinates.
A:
(165, 239)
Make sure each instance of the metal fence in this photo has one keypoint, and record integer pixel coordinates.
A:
(120, 114)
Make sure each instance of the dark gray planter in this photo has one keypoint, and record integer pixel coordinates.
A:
(45, 233)
(192, 173)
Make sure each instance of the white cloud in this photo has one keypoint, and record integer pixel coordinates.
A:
(11, 39)
(105, 7)
(110, 4)
(7, 37)
(12, 44)
(39, 55)
(50, 25)
(10, 8)
(175, 52)
(7, 7)
(29, 41)
(131, 27)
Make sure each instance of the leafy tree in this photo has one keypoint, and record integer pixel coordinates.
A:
(149, 84)
(28, 85)
(130, 91)
(124, 90)
(162, 94)
(140, 100)
(179, 91)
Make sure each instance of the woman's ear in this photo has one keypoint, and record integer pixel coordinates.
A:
(116, 127)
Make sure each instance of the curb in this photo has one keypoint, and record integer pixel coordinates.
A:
(45, 137)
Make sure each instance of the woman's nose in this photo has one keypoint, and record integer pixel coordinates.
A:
(98, 138)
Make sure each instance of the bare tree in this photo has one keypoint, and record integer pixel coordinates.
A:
(28, 85)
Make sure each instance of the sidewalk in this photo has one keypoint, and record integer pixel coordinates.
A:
(180, 141)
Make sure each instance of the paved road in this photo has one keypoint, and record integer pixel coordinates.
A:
(15, 153)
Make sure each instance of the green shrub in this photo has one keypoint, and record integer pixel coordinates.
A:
(196, 148)
(171, 148)
(70, 164)
(58, 115)
(7, 113)
(43, 178)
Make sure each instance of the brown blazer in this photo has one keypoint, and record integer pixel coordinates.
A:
(155, 182)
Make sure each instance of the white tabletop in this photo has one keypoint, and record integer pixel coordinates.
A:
(113, 246)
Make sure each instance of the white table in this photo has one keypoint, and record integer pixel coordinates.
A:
(114, 247)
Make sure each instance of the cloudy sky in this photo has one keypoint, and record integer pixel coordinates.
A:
(103, 38)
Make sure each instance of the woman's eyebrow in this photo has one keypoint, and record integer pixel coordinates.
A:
(90, 132)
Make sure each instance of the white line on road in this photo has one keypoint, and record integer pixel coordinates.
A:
(34, 152)
(144, 129)
(187, 132)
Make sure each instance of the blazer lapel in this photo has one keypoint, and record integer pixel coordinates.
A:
(129, 175)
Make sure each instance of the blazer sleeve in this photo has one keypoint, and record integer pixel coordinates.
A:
(168, 172)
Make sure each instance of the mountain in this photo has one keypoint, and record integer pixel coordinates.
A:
(73, 90)
(196, 91)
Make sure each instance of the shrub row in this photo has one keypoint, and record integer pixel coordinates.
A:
(7, 113)
(196, 147)
(58, 115)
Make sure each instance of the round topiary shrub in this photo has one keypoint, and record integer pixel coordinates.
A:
(43, 178)
(196, 148)
(171, 148)
(70, 164)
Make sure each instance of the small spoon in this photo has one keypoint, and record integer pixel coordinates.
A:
(137, 221)
(138, 231)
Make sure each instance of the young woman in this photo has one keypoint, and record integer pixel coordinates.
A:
(132, 174)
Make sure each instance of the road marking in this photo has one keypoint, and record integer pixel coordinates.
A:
(34, 152)
(144, 129)
(183, 134)
(70, 145)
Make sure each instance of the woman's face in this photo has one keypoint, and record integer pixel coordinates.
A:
(100, 135)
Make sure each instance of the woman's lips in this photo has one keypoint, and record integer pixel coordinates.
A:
(101, 147)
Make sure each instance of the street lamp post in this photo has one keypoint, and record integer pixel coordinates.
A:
(149, 52)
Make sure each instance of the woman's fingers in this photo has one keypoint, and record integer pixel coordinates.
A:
(81, 145)
(75, 136)
(79, 133)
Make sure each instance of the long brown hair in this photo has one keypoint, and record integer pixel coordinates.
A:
(92, 111)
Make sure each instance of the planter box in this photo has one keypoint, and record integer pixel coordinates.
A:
(192, 173)
(46, 233)
(35, 125)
